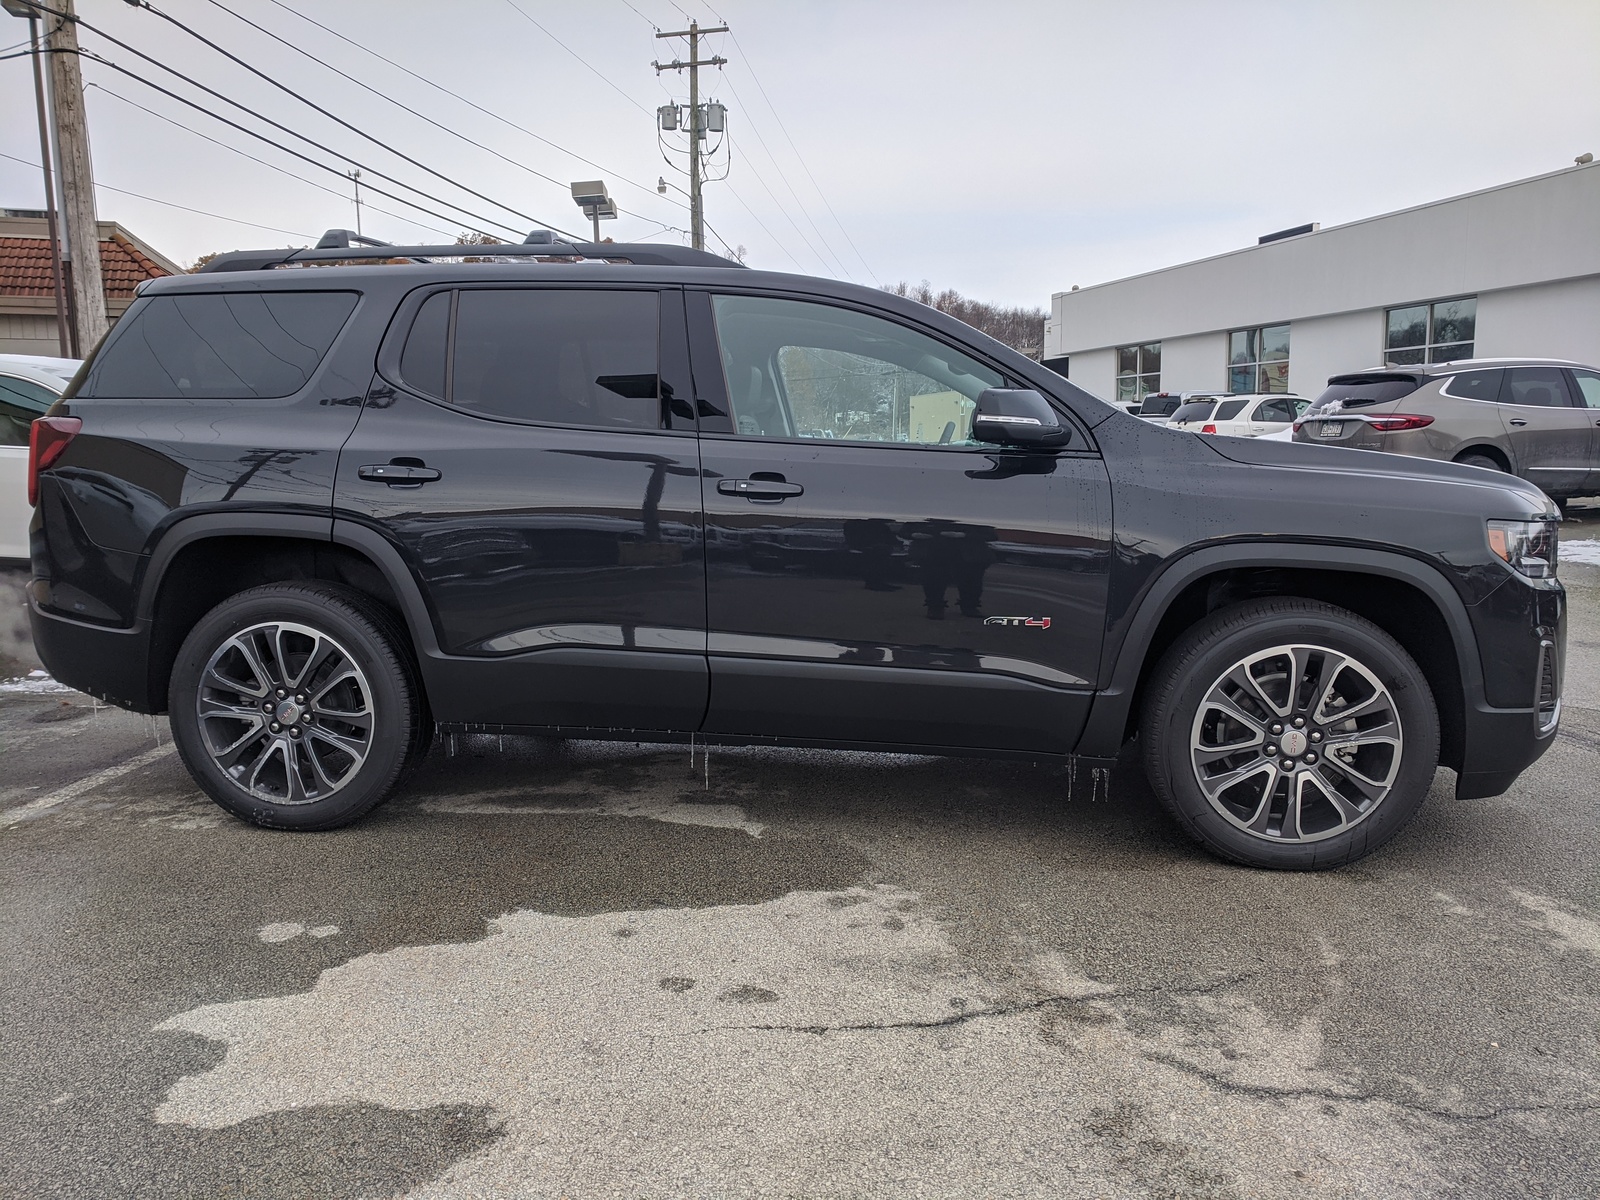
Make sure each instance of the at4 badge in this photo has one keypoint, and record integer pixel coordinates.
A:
(1036, 622)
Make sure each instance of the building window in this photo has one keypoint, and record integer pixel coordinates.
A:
(1138, 372)
(1258, 360)
(1439, 332)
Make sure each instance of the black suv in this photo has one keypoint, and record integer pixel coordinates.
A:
(638, 492)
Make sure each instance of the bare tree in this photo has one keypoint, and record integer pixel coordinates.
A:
(1020, 328)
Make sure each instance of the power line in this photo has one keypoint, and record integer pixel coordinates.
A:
(750, 66)
(470, 103)
(764, 228)
(271, 166)
(295, 153)
(778, 204)
(749, 112)
(169, 204)
(648, 21)
(274, 124)
(606, 78)
(359, 132)
(382, 95)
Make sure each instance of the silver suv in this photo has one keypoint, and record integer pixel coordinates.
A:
(1535, 417)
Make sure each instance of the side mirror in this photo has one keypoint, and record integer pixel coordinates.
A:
(1017, 417)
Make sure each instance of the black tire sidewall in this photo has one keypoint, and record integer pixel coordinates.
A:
(327, 611)
(1226, 640)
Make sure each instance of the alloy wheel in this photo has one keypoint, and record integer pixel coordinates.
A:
(1297, 743)
(285, 712)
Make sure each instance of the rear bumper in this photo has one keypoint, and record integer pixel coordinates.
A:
(112, 664)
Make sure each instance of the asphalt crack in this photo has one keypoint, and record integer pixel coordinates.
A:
(1267, 1091)
(962, 1016)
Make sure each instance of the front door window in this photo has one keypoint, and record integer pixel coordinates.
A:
(804, 370)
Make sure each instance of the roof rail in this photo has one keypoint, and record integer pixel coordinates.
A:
(343, 246)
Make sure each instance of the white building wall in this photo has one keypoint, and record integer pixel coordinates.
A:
(1194, 364)
(1551, 320)
(1095, 371)
(1538, 230)
(1324, 346)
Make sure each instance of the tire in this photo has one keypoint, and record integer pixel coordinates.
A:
(1480, 460)
(297, 705)
(1219, 699)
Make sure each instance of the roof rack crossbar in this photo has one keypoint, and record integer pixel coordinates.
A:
(340, 245)
(343, 238)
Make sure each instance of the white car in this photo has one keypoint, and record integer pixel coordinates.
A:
(1240, 416)
(29, 384)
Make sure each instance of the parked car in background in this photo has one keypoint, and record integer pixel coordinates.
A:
(1240, 416)
(1159, 406)
(1534, 417)
(28, 385)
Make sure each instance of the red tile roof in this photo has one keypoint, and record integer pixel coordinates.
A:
(25, 267)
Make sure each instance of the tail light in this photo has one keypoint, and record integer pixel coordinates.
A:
(1398, 421)
(47, 441)
(1208, 429)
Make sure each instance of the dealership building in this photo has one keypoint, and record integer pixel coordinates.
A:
(1512, 270)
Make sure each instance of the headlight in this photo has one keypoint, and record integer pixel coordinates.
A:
(1527, 547)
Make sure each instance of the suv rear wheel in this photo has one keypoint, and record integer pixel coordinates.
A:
(295, 707)
(1290, 734)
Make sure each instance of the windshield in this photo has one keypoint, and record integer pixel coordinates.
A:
(1363, 391)
(1195, 410)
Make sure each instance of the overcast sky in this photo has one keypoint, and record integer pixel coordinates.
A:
(1009, 150)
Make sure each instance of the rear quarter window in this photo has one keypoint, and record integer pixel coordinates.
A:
(223, 346)
(1475, 385)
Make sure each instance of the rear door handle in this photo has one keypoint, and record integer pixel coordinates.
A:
(759, 489)
(1517, 421)
(398, 474)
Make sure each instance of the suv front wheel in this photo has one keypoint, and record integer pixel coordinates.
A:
(294, 707)
(1290, 734)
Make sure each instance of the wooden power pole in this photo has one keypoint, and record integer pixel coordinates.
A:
(697, 221)
(81, 232)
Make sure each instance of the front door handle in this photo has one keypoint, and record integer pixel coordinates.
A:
(1517, 421)
(398, 474)
(759, 489)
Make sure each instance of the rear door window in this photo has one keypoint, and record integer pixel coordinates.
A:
(1534, 387)
(225, 346)
(557, 356)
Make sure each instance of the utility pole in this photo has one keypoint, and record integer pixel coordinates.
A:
(355, 178)
(81, 243)
(63, 321)
(697, 224)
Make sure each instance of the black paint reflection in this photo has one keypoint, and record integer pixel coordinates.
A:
(951, 555)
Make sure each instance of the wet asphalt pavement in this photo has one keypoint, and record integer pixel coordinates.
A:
(572, 969)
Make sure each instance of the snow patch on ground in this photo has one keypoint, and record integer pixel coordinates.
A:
(34, 683)
(1581, 550)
